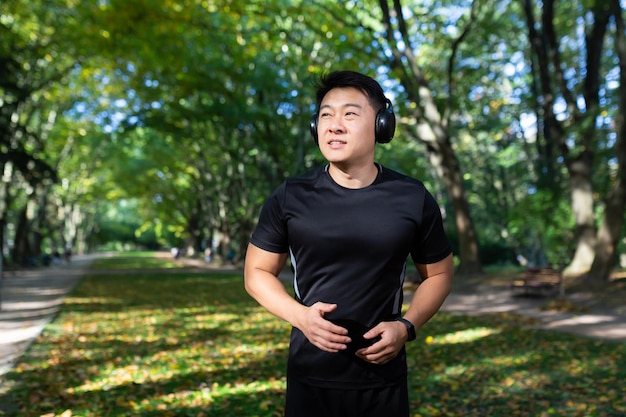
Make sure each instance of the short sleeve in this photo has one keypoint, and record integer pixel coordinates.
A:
(270, 233)
(431, 243)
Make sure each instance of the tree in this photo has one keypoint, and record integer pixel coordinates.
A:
(192, 113)
(571, 111)
(26, 114)
(431, 125)
(615, 202)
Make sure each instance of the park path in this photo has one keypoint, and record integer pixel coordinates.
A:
(29, 300)
(597, 321)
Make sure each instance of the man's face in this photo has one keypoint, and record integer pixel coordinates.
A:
(346, 127)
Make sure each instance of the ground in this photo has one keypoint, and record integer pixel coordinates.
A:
(579, 298)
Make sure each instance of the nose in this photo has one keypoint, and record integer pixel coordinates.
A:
(336, 126)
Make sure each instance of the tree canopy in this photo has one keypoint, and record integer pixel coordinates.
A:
(167, 123)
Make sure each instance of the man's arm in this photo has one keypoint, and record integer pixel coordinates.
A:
(262, 283)
(261, 280)
(432, 292)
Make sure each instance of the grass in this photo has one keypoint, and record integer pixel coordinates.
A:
(135, 260)
(189, 344)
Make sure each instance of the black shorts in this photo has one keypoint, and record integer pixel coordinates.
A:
(304, 400)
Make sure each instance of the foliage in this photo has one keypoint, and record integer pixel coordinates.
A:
(194, 111)
(177, 343)
(120, 227)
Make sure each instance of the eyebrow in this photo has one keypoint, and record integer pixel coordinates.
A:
(358, 106)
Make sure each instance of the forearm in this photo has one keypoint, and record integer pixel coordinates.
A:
(431, 294)
(269, 292)
(427, 300)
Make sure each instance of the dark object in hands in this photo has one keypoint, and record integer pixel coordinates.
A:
(355, 331)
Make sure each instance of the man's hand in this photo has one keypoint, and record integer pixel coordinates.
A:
(392, 334)
(321, 332)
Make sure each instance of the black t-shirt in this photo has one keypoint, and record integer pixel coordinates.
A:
(350, 247)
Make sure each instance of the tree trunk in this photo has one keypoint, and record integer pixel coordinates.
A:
(583, 208)
(21, 246)
(5, 202)
(432, 130)
(195, 235)
(608, 236)
(553, 82)
(610, 229)
(446, 163)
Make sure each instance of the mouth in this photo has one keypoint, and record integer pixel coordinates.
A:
(336, 142)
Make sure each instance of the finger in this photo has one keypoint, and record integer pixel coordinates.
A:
(367, 357)
(374, 332)
(376, 347)
(335, 329)
(325, 307)
(336, 347)
(376, 359)
(379, 352)
(330, 346)
(337, 334)
(332, 335)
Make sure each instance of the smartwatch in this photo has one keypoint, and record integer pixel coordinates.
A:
(410, 329)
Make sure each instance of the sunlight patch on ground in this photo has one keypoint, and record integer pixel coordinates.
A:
(206, 395)
(115, 378)
(213, 320)
(92, 300)
(463, 336)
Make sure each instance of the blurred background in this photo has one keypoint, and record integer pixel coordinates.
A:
(161, 124)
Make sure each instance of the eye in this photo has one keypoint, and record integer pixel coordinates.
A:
(324, 115)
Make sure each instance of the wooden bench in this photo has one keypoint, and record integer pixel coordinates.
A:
(544, 282)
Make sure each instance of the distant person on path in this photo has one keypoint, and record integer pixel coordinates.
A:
(46, 259)
(68, 255)
(56, 257)
(349, 228)
(230, 256)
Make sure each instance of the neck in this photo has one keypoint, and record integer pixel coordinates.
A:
(359, 177)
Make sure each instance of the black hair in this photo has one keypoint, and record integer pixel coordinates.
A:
(344, 79)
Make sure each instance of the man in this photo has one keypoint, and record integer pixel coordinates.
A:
(349, 228)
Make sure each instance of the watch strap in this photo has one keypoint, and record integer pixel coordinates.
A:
(409, 328)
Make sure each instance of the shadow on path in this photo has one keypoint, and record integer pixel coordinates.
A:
(30, 299)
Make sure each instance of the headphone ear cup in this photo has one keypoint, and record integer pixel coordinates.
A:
(313, 127)
(385, 124)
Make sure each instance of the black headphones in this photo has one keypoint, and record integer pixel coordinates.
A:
(384, 129)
